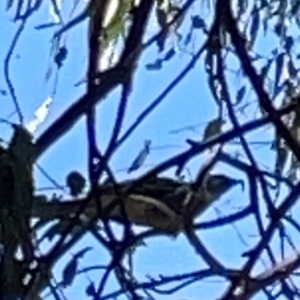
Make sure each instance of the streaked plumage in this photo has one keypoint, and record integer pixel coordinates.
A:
(158, 202)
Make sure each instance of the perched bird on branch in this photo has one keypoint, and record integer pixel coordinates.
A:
(158, 202)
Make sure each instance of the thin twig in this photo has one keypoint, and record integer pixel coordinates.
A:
(6, 69)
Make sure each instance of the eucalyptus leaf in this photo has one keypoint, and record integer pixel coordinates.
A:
(240, 95)
(212, 129)
(291, 69)
(69, 272)
(198, 22)
(254, 25)
(56, 229)
(265, 69)
(141, 157)
(91, 290)
(295, 8)
(157, 65)
(289, 43)
(46, 25)
(169, 54)
(9, 3)
(82, 252)
(279, 64)
(165, 13)
(281, 158)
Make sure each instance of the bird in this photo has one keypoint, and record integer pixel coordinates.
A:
(75, 182)
(161, 203)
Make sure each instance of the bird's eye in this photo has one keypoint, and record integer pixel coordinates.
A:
(215, 181)
(219, 183)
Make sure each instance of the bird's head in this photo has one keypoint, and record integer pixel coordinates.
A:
(218, 184)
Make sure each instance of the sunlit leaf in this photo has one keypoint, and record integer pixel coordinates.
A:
(116, 16)
(111, 12)
(40, 115)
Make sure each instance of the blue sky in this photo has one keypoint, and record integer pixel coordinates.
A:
(190, 103)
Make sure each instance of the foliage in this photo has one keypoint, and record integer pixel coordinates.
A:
(264, 98)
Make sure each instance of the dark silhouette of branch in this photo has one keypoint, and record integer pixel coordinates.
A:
(109, 80)
(226, 220)
(7, 73)
(265, 102)
(251, 286)
(200, 249)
